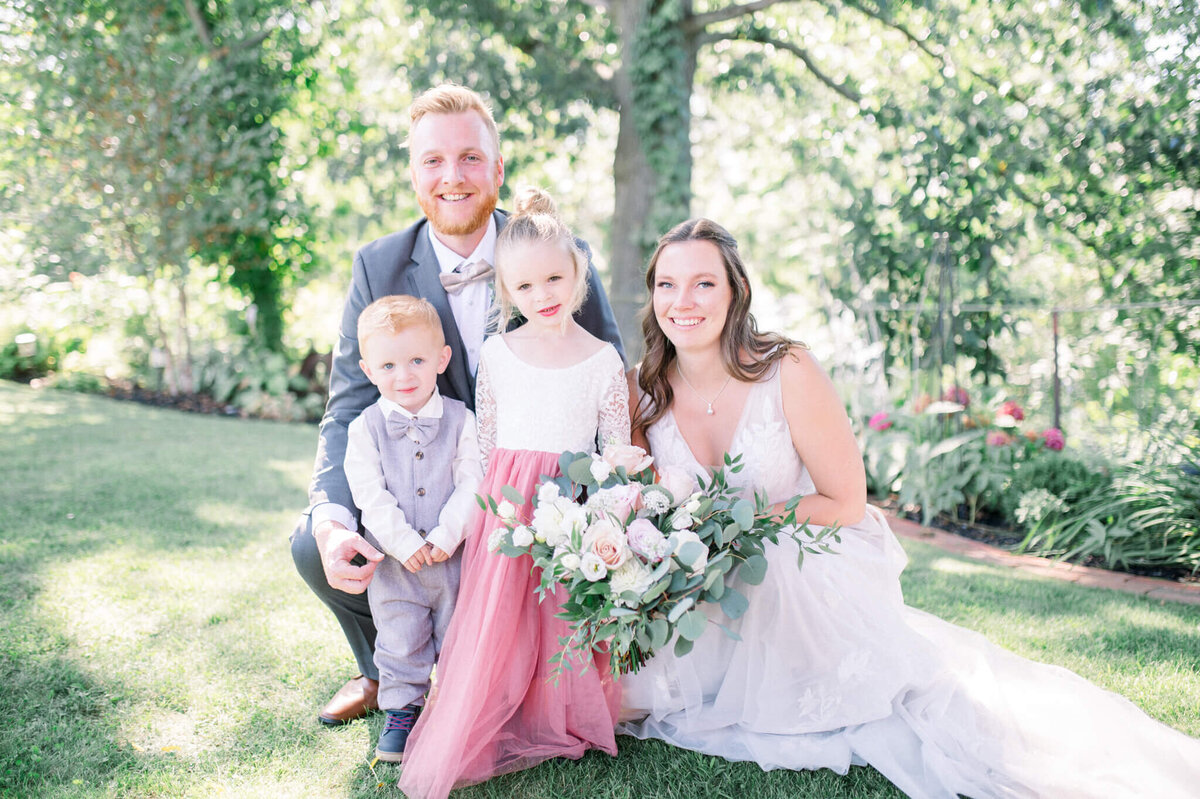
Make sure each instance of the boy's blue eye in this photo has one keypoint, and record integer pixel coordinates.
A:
(418, 361)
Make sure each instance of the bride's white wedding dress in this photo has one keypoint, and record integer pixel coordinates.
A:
(833, 669)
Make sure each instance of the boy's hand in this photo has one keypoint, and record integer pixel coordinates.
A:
(438, 555)
(421, 558)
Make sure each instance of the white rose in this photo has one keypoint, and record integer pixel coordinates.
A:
(599, 469)
(506, 511)
(681, 537)
(570, 562)
(574, 516)
(681, 519)
(522, 536)
(547, 492)
(592, 567)
(693, 503)
(548, 522)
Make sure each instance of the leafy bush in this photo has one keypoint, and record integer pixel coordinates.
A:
(37, 358)
(1065, 476)
(1148, 516)
(259, 383)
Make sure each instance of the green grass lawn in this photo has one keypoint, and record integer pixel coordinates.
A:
(155, 639)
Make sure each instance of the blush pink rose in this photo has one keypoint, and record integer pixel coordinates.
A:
(678, 482)
(634, 459)
(607, 542)
(626, 499)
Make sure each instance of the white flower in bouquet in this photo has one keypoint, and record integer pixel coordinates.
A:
(548, 522)
(693, 503)
(507, 512)
(569, 561)
(606, 540)
(547, 492)
(647, 540)
(592, 567)
(600, 469)
(633, 459)
(632, 577)
(678, 482)
(655, 501)
(496, 538)
(522, 536)
(681, 538)
(574, 517)
(682, 519)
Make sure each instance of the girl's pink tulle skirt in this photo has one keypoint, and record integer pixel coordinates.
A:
(497, 706)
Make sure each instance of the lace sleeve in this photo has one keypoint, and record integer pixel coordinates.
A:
(613, 426)
(485, 413)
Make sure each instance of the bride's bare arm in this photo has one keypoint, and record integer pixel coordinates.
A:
(823, 438)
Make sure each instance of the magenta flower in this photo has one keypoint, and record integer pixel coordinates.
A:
(1011, 408)
(1053, 439)
(880, 422)
(998, 438)
(957, 394)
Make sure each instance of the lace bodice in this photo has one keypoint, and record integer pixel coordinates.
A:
(520, 406)
(762, 437)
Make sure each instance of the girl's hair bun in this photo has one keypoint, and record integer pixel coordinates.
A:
(531, 201)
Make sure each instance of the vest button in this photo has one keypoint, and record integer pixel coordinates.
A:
(420, 492)
(421, 533)
(419, 455)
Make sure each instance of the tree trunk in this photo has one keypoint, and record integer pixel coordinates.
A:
(652, 168)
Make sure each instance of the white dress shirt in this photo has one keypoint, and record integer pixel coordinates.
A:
(470, 306)
(380, 512)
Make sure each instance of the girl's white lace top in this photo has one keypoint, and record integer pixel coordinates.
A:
(520, 406)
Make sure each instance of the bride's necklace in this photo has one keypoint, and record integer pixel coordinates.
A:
(707, 402)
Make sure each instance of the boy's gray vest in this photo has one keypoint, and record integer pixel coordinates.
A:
(419, 476)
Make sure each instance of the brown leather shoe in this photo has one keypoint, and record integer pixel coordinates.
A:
(355, 699)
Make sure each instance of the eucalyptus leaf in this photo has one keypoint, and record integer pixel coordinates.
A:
(753, 570)
(692, 625)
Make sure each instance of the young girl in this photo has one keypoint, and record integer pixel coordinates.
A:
(542, 388)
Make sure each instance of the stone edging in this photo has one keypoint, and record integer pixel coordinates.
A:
(1149, 587)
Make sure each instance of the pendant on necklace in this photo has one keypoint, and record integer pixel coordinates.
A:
(710, 410)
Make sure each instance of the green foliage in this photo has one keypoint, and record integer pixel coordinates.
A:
(174, 157)
(1149, 515)
(260, 383)
(28, 355)
(1065, 476)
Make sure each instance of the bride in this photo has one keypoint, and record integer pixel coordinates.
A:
(832, 668)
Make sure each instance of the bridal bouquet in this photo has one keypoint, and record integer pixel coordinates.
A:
(637, 553)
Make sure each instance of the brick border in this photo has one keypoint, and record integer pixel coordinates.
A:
(1149, 587)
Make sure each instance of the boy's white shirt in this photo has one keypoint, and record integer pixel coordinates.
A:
(380, 512)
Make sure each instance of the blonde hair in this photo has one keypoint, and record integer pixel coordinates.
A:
(534, 221)
(395, 313)
(450, 98)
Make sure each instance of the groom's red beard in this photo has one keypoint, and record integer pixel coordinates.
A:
(443, 223)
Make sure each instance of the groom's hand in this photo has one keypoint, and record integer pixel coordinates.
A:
(338, 547)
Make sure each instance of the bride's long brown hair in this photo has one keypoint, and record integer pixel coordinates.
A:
(746, 353)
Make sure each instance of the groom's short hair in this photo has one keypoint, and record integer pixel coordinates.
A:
(450, 98)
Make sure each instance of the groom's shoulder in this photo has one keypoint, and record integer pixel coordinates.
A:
(393, 247)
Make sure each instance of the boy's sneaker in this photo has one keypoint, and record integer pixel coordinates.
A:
(396, 727)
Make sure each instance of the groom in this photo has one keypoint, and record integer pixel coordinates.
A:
(456, 170)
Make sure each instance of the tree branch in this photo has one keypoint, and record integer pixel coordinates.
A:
(696, 23)
(844, 89)
(198, 20)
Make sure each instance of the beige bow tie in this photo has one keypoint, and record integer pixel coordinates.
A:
(453, 282)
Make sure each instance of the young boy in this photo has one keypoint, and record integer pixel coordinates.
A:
(412, 461)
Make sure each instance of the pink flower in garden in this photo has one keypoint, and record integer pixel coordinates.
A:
(957, 394)
(1052, 437)
(1011, 408)
(880, 422)
(999, 438)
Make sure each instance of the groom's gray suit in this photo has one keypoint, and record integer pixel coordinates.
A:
(400, 263)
